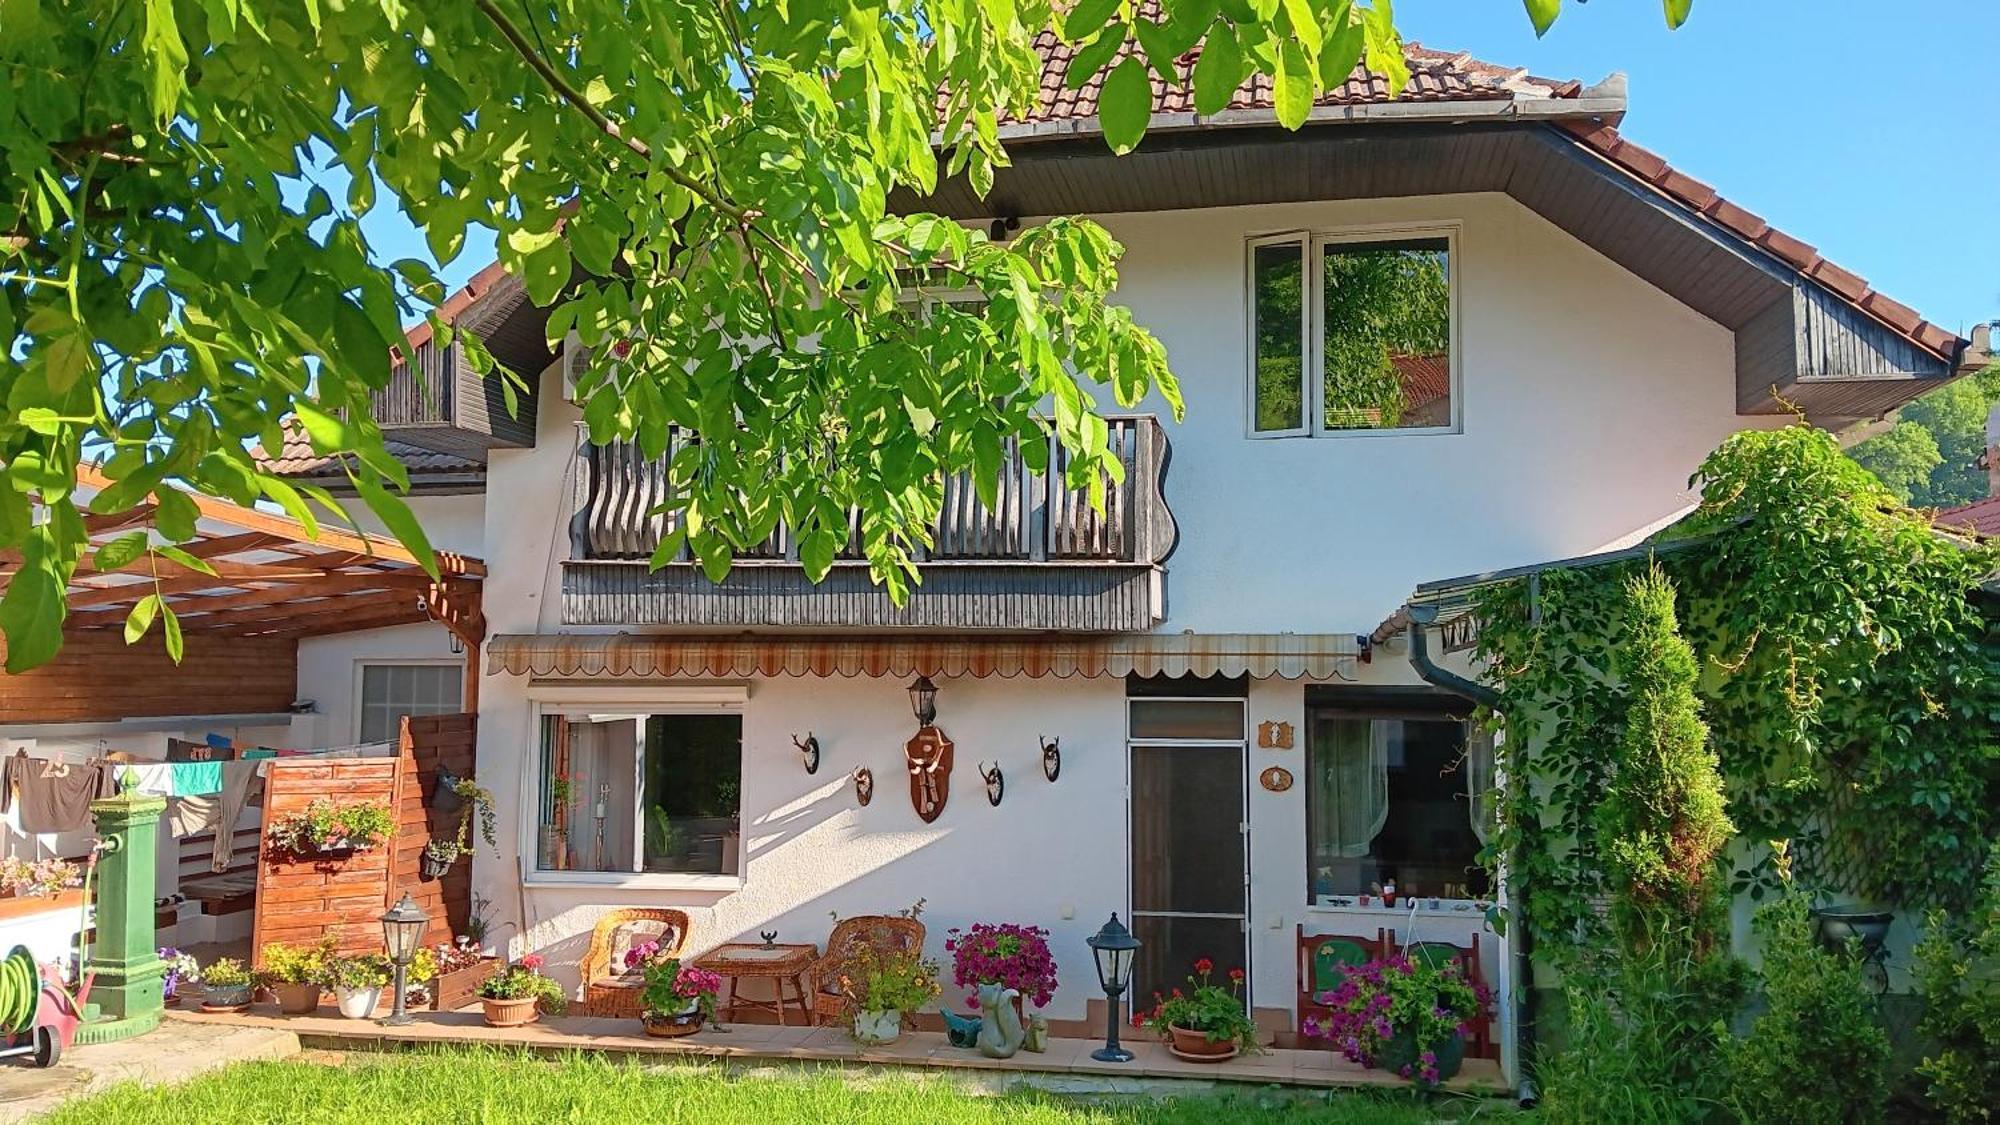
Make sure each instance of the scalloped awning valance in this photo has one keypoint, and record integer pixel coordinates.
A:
(1259, 655)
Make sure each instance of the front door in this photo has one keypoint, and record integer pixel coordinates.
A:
(1190, 877)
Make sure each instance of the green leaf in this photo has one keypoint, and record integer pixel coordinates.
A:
(162, 42)
(175, 646)
(395, 515)
(1677, 12)
(1218, 72)
(70, 355)
(1086, 18)
(121, 551)
(31, 611)
(181, 556)
(175, 513)
(141, 618)
(1542, 13)
(1092, 57)
(545, 272)
(1292, 86)
(1125, 105)
(816, 552)
(1341, 54)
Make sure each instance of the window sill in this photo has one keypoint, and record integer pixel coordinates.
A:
(1447, 908)
(647, 881)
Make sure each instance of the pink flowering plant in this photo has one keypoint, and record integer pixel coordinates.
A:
(1006, 954)
(1393, 1007)
(523, 980)
(672, 989)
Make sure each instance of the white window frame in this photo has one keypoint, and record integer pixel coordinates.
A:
(1313, 245)
(619, 702)
(361, 682)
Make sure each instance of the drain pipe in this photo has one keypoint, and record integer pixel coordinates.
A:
(1421, 619)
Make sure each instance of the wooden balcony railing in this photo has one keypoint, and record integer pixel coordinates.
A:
(1041, 556)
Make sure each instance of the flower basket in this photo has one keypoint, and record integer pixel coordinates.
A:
(324, 830)
(674, 1026)
(1195, 1047)
(1399, 1055)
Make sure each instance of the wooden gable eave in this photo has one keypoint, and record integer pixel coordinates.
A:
(1836, 353)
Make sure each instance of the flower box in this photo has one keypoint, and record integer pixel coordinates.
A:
(459, 988)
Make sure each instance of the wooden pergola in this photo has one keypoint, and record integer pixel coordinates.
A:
(274, 578)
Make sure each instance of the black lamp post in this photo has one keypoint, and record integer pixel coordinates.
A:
(402, 931)
(923, 700)
(1114, 949)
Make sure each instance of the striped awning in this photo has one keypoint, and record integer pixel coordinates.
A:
(1260, 655)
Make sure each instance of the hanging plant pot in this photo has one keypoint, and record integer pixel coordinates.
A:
(1400, 1053)
(431, 867)
(445, 798)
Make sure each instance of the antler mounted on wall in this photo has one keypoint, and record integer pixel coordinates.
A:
(996, 785)
(1051, 756)
(810, 749)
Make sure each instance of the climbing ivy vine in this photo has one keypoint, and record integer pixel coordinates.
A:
(1849, 673)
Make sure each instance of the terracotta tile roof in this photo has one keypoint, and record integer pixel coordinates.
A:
(1435, 76)
(297, 459)
(1981, 517)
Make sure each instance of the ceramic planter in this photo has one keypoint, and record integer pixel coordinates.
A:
(430, 867)
(1195, 1047)
(357, 1003)
(510, 1013)
(878, 1028)
(225, 997)
(296, 999)
(1401, 1051)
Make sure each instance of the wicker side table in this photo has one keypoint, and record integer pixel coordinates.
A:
(779, 964)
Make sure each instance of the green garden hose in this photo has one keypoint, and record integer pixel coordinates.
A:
(20, 991)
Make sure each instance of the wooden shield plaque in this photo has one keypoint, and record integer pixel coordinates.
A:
(929, 758)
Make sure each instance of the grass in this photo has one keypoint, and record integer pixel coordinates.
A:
(493, 1087)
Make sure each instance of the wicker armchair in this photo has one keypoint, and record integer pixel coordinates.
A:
(609, 988)
(887, 934)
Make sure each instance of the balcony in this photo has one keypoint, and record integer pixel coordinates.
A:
(434, 399)
(1041, 560)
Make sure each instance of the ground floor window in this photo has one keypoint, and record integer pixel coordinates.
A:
(1398, 793)
(391, 691)
(641, 793)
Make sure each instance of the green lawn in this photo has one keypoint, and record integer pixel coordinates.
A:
(495, 1087)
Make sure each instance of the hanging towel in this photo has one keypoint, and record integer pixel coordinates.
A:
(239, 782)
(196, 779)
(258, 754)
(155, 779)
(181, 750)
(55, 796)
(191, 816)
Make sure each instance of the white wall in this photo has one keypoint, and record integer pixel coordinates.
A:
(330, 666)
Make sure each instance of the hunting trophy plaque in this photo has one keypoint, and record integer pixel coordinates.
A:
(929, 757)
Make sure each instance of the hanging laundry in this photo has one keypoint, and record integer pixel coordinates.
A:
(242, 784)
(181, 750)
(191, 816)
(54, 796)
(155, 779)
(196, 779)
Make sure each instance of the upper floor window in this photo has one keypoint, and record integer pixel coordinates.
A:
(1351, 332)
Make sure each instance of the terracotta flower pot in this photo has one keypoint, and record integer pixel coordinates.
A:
(1195, 1047)
(510, 1013)
(297, 999)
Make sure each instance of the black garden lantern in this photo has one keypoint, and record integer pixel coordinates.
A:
(402, 932)
(923, 701)
(1114, 949)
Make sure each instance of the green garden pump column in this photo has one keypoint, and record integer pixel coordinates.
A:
(125, 998)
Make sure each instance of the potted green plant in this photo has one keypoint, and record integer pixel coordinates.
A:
(519, 994)
(225, 986)
(881, 988)
(1401, 1016)
(677, 998)
(324, 828)
(358, 983)
(295, 975)
(437, 859)
(1205, 1022)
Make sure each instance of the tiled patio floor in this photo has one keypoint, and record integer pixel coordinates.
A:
(769, 1043)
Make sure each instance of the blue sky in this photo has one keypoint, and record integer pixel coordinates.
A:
(1864, 128)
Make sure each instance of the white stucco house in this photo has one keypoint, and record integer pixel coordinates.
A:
(1245, 757)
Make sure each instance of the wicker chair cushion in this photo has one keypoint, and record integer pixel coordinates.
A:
(629, 935)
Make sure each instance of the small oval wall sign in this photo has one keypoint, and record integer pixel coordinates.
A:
(1277, 779)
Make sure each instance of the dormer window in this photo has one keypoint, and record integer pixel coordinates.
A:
(1352, 332)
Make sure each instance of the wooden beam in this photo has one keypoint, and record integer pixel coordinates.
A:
(250, 519)
(321, 625)
(304, 610)
(190, 603)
